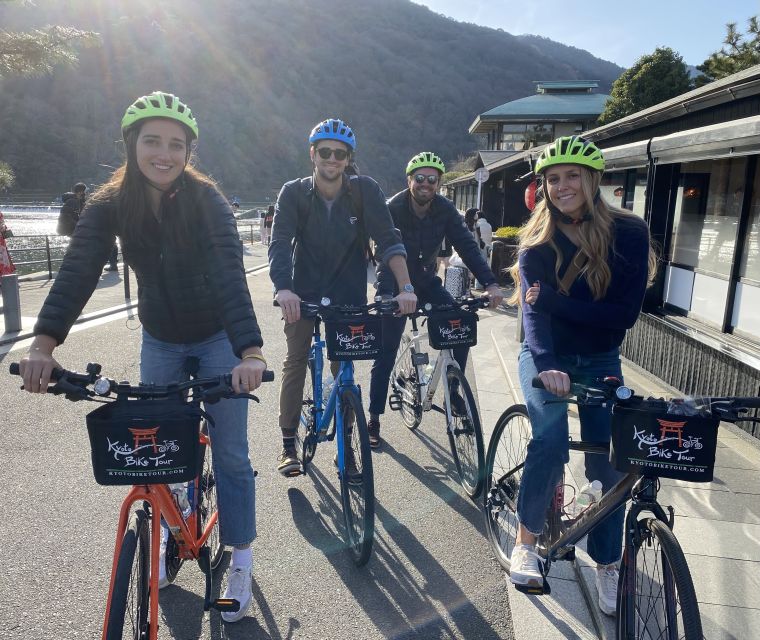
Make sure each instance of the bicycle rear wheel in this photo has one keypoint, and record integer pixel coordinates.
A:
(306, 437)
(128, 615)
(405, 383)
(506, 455)
(207, 504)
(466, 436)
(357, 488)
(656, 597)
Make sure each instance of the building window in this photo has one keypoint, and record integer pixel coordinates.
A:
(708, 205)
(635, 197)
(519, 137)
(612, 187)
(745, 319)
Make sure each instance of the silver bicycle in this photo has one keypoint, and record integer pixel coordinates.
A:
(414, 382)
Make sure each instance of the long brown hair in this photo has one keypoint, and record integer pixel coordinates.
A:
(595, 238)
(127, 189)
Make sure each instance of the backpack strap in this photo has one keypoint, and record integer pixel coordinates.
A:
(355, 191)
(573, 271)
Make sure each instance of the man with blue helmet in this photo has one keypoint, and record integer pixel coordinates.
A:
(308, 263)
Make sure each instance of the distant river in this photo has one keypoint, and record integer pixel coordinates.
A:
(31, 221)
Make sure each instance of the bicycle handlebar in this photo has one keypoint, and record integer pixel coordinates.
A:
(310, 309)
(610, 389)
(76, 386)
(468, 304)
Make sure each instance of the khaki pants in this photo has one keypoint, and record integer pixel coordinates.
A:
(298, 337)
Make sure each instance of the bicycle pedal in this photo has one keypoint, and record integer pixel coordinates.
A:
(394, 402)
(226, 604)
(530, 590)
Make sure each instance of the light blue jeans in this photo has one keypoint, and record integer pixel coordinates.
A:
(548, 450)
(162, 363)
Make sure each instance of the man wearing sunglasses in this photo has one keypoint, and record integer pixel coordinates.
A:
(425, 220)
(320, 234)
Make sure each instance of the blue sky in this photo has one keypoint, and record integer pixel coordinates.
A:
(617, 31)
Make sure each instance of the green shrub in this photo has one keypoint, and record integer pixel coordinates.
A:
(506, 233)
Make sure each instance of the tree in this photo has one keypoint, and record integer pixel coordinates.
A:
(7, 176)
(741, 52)
(652, 79)
(38, 51)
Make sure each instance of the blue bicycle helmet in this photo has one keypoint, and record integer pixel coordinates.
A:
(333, 129)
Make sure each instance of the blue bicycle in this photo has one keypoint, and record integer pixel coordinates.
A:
(351, 333)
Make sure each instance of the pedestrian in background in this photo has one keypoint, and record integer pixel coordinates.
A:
(6, 264)
(73, 204)
(266, 229)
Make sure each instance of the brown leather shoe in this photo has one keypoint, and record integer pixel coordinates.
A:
(373, 428)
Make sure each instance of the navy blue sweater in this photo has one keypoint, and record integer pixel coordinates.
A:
(576, 324)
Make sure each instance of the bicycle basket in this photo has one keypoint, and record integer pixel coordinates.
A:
(144, 442)
(453, 329)
(647, 440)
(357, 337)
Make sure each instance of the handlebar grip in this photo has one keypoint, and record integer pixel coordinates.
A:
(268, 376)
(537, 383)
(55, 374)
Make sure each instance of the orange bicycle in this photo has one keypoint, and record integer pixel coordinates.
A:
(156, 439)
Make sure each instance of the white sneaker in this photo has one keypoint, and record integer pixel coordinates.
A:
(163, 581)
(524, 566)
(239, 588)
(607, 586)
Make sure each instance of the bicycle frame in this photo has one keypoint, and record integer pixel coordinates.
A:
(162, 505)
(444, 360)
(323, 415)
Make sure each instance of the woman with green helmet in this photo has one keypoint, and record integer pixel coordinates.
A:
(582, 269)
(178, 234)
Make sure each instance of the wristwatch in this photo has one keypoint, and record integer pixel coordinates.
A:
(408, 288)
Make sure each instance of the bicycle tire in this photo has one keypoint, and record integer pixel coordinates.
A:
(507, 450)
(306, 436)
(357, 488)
(207, 505)
(466, 437)
(405, 382)
(656, 599)
(128, 614)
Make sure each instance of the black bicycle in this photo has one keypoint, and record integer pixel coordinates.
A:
(651, 438)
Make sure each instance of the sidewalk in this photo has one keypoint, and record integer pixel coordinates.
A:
(717, 524)
(109, 296)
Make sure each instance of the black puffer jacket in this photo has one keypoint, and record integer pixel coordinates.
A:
(185, 293)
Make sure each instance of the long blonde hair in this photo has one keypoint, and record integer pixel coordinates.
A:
(594, 237)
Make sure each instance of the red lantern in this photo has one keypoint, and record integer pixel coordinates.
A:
(530, 195)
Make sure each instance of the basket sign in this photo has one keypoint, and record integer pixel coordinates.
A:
(662, 444)
(355, 338)
(144, 442)
(453, 329)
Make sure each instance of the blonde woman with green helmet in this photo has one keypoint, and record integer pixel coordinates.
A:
(178, 234)
(582, 269)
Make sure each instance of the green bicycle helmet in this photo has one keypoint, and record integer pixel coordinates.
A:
(425, 159)
(159, 105)
(570, 150)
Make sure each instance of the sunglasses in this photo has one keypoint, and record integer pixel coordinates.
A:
(419, 179)
(326, 152)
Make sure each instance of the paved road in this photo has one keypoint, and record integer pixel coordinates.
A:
(431, 575)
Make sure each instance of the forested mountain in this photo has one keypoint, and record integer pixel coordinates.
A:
(259, 74)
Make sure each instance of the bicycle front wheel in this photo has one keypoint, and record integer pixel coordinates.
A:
(357, 488)
(128, 614)
(504, 465)
(465, 435)
(405, 383)
(656, 597)
(207, 504)
(306, 437)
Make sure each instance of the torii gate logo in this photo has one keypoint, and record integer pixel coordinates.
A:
(357, 338)
(671, 444)
(145, 450)
(455, 331)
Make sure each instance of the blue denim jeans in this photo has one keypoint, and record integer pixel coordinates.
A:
(163, 362)
(548, 450)
(393, 329)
